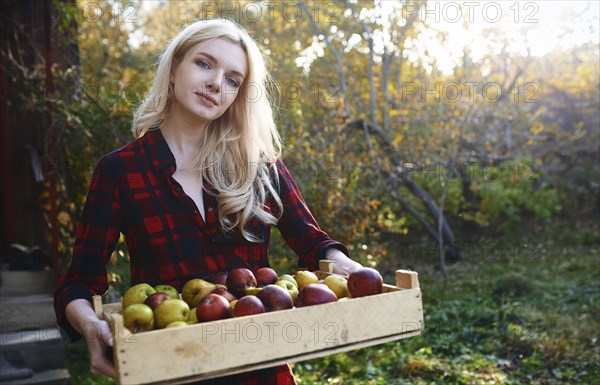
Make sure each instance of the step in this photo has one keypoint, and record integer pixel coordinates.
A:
(40, 350)
(14, 282)
(47, 377)
(21, 312)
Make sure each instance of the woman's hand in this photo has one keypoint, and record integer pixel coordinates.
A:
(342, 265)
(97, 334)
(99, 344)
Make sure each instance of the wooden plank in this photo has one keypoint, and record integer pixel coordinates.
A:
(326, 265)
(297, 358)
(407, 279)
(215, 348)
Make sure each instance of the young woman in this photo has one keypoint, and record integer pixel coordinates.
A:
(196, 192)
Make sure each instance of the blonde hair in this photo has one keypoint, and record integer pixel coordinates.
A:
(241, 147)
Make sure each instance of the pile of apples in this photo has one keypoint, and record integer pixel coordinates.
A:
(239, 293)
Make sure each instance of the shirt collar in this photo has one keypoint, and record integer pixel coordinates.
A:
(159, 151)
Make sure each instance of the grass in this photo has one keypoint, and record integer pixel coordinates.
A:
(523, 318)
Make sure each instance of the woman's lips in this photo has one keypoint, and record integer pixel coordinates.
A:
(208, 100)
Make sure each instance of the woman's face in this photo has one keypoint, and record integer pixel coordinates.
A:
(207, 80)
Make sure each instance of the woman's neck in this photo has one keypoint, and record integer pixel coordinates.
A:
(184, 140)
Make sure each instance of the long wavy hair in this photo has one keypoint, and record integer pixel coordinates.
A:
(239, 148)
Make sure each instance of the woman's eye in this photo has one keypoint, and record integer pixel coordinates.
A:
(232, 82)
(202, 64)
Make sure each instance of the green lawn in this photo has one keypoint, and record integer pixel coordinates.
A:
(526, 315)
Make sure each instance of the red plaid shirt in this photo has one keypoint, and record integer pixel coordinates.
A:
(133, 192)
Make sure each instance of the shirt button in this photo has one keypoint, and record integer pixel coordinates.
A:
(195, 211)
(210, 209)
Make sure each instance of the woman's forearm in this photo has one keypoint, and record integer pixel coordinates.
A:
(82, 317)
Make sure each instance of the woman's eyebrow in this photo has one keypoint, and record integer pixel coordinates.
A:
(212, 58)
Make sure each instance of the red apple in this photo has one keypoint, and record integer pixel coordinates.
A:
(265, 276)
(315, 294)
(219, 278)
(247, 306)
(275, 297)
(364, 282)
(223, 292)
(155, 299)
(238, 280)
(212, 307)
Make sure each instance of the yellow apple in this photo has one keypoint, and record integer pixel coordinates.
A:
(305, 277)
(337, 284)
(176, 324)
(195, 290)
(170, 310)
(252, 290)
(137, 294)
(192, 319)
(138, 317)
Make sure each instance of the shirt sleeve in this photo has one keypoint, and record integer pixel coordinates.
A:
(298, 226)
(97, 233)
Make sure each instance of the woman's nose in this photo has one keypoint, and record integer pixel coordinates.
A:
(212, 86)
(214, 83)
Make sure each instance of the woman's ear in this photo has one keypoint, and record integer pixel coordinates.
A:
(174, 65)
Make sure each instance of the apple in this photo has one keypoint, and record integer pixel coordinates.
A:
(171, 310)
(137, 294)
(287, 277)
(290, 287)
(238, 280)
(167, 289)
(220, 278)
(176, 324)
(315, 294)
(253, 290)
(247, 306)
(265, 276)
(212, 307)
(223, 292)
(154, 299)
(275, 297)
(305, 277)
(195, 290)
(232, 306)
(138, 317)
(192, 319)
(337, 284)
(365, 281)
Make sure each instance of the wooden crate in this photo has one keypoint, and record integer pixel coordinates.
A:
(213, 349)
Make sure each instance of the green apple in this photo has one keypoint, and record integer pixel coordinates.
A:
(170, 310)
(192, 319)
(195, 290)
(138, 317)
(137, 294)
(176, 324)
(305, 277)
(337, 284)
(170, 290)
(289, 287)
(287, 277)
